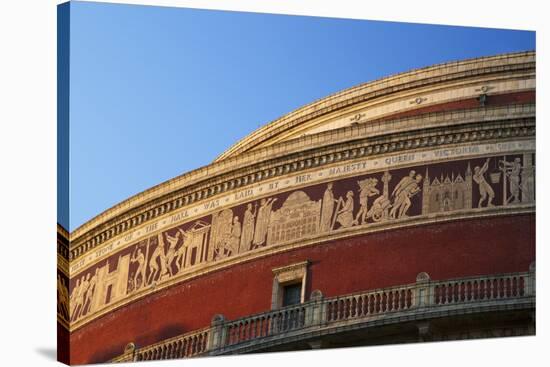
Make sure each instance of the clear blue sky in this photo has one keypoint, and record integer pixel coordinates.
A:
(156, 91)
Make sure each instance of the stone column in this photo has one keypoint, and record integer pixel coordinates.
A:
(423, 294)
(218, 332)
(316, 309)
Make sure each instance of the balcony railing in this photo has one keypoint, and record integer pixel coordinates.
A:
(420, 299)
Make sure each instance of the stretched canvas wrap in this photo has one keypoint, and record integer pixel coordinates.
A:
(235, 183)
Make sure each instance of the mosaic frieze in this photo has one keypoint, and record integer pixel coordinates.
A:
(388, 196)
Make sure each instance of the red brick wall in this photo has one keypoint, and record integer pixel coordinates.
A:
(454, 249)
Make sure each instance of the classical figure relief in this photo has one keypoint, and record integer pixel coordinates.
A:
(447, 193)
(327, 209)
(511, 172)
(367, 188)
(344, 211)
(403, 192)
(248, 228)
(297, 218)
(485, 190)
(381, 205)
(90, 293)
(79, 292)
(262, 222)
(235, 235)
(62, 298)
(140, 278)
(223, 234)
(157, 263)
(171, 252)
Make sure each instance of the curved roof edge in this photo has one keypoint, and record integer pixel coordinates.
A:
(227, 160)
(296, 117)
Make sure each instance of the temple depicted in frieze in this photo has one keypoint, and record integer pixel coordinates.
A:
(297, 218)
(446, 193)
(398, 199)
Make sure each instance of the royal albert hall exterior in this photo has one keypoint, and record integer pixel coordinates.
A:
(399, 210)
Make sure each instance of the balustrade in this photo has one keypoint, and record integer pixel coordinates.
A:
(335, 311)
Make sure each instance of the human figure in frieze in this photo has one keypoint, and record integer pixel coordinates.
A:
(403, 196)
(90, 293)
(235, 236)
(344, 216)
(262, 221)
(327, 209)
(512, 171)
(367, 188)
(405, 181)
(248, 228)
(158, 257)
(73, 297)
(141, 269)
(485, 190)
(81, 294)
(62, 298)
(171, 252)
(221, 234)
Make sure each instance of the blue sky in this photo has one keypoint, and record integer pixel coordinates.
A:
(158, 91)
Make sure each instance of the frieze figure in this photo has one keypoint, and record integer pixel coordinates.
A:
(485, 190)
(141, 270)
(512, 172)
(367, 188)
(248, 228)
(221, 234)
(262, 222)
(73, 298)
(157, 263)
(405, 190)
(62, 298)
(84, 284)
(90, 293)
(171, 252)
(344, 216)
(327, 209)
(235, 235)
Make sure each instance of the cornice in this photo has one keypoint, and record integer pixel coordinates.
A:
(382, 88)
(343, 144)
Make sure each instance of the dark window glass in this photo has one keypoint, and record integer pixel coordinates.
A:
(292, 294)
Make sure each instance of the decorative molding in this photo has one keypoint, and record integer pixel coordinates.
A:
(418, 100)
(294, 273)
(402, 223)
(482, 132)
(484, 89)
